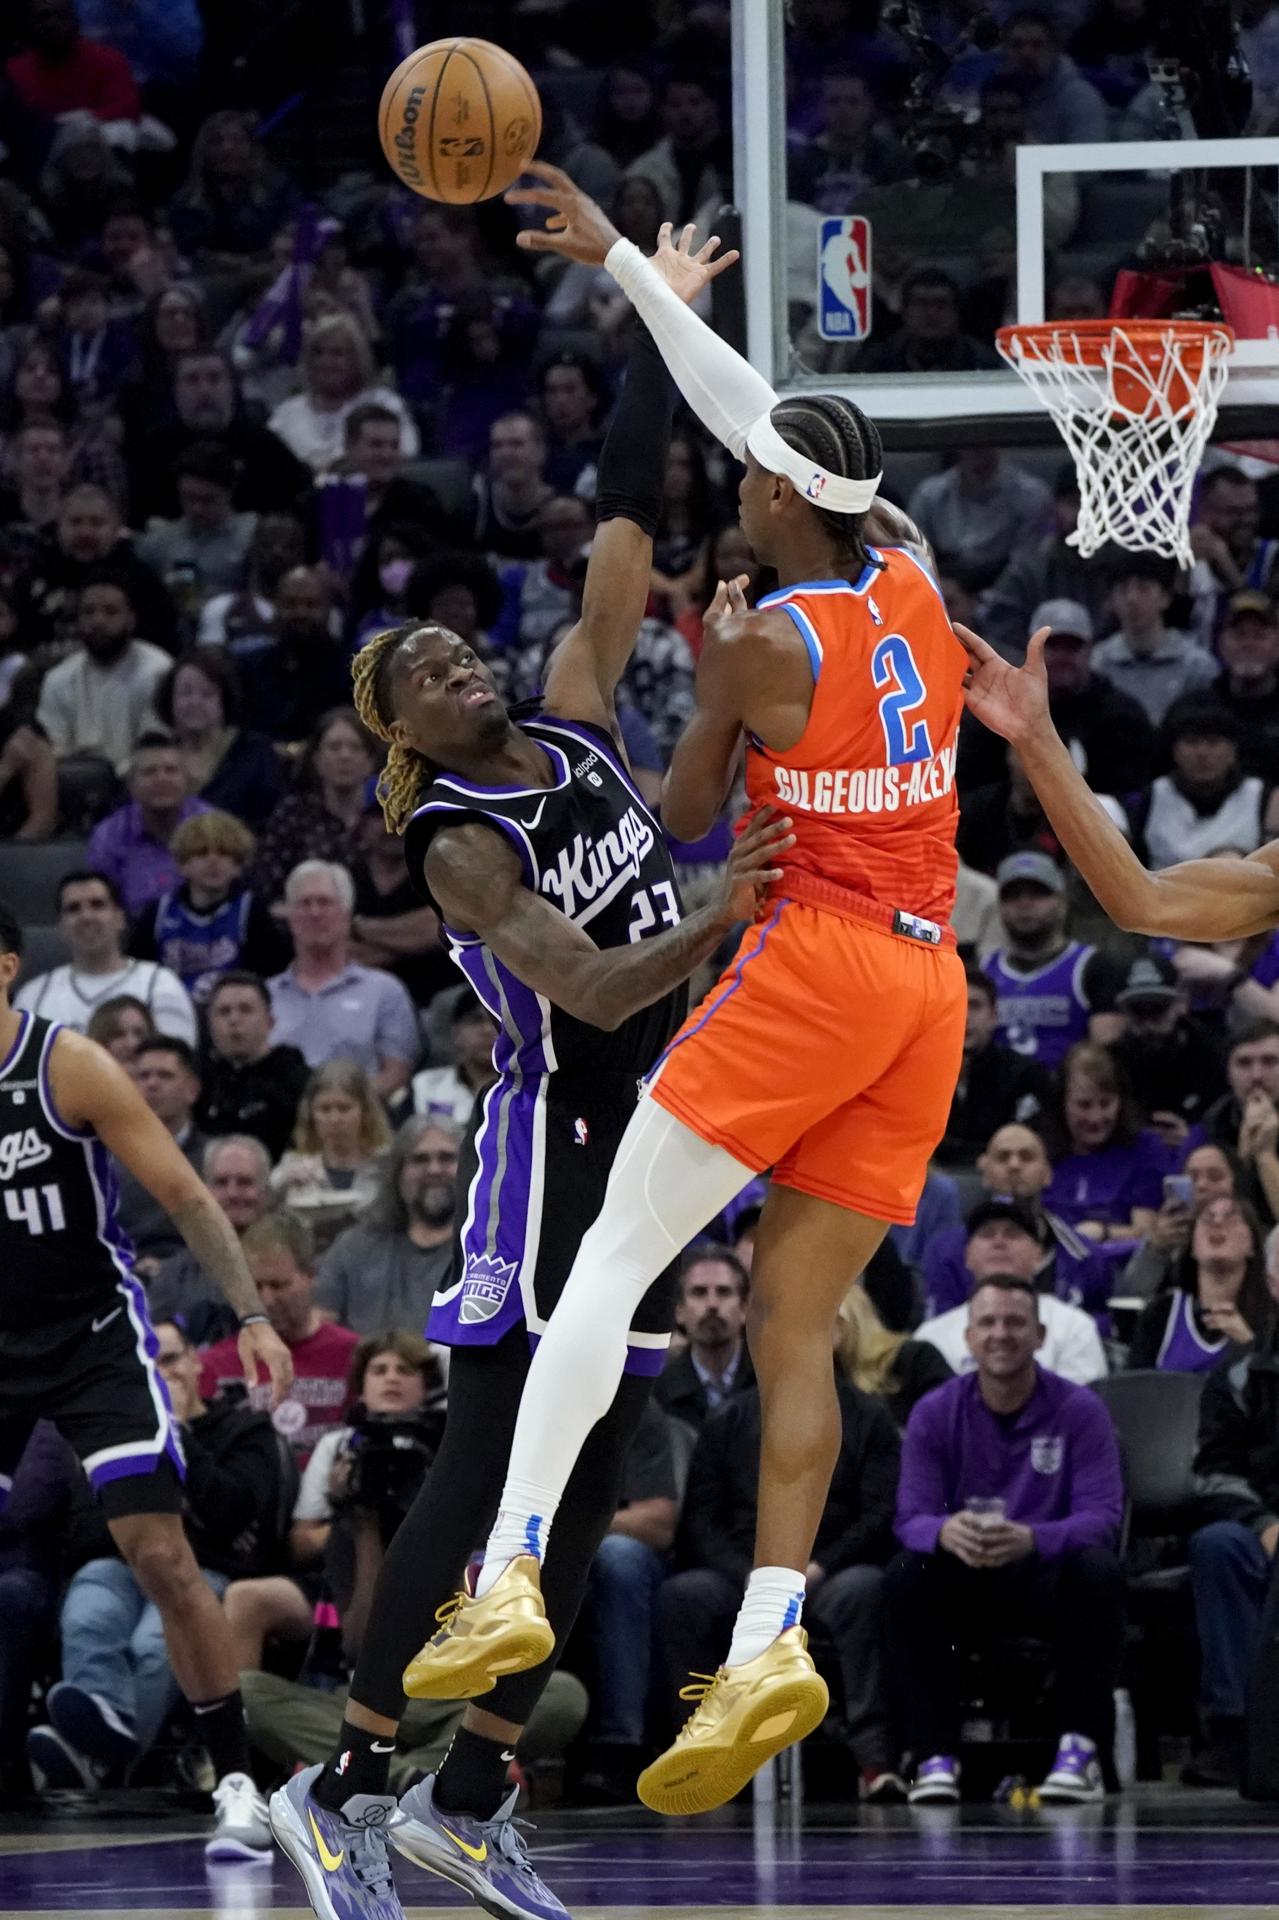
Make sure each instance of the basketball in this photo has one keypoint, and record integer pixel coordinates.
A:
(458, 120)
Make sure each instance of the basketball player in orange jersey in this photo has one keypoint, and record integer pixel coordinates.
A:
(828, 1051)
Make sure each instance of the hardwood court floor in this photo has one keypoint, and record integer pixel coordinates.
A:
(1171, 1854)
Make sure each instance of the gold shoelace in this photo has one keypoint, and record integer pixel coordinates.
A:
(704, 1685)
(447, 1614)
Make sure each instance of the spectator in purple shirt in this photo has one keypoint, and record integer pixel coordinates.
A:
(1008, 1508)
(1216, 1298)
(1107, 1170)
(131, 846)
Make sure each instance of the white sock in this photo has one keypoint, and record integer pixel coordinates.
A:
(666, 1184)
(773, 1601)
(520, 1528)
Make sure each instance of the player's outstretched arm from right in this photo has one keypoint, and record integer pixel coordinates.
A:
(93, 1090)
(722, 388)
(1197, 900)
(478, 882)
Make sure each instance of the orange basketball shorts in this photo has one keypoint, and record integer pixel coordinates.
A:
(828, 1050)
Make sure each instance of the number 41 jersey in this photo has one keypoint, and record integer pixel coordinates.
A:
(870, 783)
(589, 846)
(61, 1251)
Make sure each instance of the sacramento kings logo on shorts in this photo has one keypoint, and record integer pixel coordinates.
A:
(484, 1290)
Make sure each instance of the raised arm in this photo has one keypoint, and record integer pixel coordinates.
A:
(588, 663)
(722, 388)
(478, 882)
(92, 1090)
(1196, 900)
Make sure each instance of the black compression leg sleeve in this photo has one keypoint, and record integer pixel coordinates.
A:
(455, 1509)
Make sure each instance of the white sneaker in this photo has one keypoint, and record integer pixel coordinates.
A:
(242, 1829)
(936, 1782)
(1076, 1777)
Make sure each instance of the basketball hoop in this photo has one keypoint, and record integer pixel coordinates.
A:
(1135, 402)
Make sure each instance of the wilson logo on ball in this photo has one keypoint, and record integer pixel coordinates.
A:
(458, 119)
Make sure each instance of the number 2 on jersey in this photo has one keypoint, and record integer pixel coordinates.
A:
(892, 667)
(23, 1204)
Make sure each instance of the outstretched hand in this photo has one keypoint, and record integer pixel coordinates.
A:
(578, 229)
(754, 864)
(1011, 701)
(686, 272)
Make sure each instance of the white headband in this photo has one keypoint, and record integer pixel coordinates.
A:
(825, 489)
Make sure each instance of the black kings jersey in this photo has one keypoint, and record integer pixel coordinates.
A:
(61, 1249)
(590, 846)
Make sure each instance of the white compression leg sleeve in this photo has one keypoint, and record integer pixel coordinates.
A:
(666, 1184)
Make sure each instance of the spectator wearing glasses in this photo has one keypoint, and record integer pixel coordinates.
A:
(384, 1270)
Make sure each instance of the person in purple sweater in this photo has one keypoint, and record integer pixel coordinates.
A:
(1108, 1169)
(1009, 1509)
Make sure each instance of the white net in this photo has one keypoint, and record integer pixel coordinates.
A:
(1136, 407)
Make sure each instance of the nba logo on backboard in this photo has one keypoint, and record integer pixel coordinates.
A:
(843, 278)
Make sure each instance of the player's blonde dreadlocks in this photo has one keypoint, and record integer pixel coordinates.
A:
(407, 772)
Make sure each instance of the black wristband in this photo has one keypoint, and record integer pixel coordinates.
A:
(255, 1320)
(631, 476)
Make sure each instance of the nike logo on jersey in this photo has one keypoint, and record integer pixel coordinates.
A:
(329, 1861)
(530, 826)
(472, 1853)
(21, 1151)
(588, 866)
(105, 1321)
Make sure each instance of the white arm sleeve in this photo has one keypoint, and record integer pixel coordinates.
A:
(722, 388)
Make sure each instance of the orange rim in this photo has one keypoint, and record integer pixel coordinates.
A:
(1089, 339)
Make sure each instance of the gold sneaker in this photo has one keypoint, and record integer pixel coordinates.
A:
(745, 1715)
(481, 1640)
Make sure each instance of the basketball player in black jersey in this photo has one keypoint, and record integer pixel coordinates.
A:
(77, 1348)
(558, 897)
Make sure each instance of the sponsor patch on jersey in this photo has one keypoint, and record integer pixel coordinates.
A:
(1047, 1452)
(484, 1288)
(21, 1151)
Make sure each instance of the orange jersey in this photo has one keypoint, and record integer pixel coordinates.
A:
(870, 785)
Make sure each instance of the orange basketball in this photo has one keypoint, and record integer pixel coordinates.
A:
(458, 120)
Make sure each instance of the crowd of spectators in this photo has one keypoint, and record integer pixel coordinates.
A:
(247, 419)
